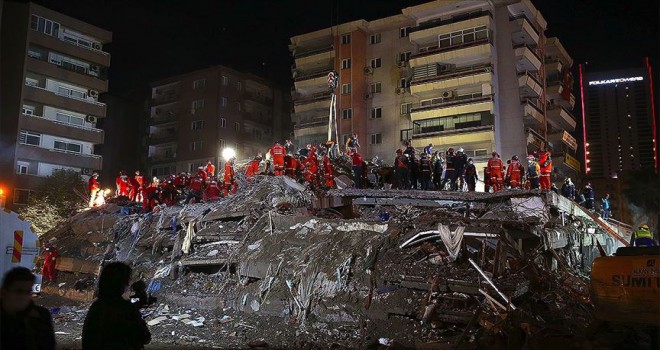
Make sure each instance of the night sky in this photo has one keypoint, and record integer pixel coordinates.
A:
(157, 39)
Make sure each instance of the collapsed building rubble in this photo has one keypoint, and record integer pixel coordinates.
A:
(432, 270)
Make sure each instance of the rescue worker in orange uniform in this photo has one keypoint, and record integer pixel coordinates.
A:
(515, 173)
(94, 188)
(139, 178)
(328, 172)
(545, 163)
(311, 168)
(201, 172)
(291, 166)
(229, 180)
(50, 259)
(253, 167)
(151, 196)
(122, 184)
(495, 167)
(277, 154)
(213, 191)
(210, 169)
(196, 189)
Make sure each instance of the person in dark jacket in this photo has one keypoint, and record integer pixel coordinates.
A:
(425, 169)
(437, 170)
(23, 325)
(568, 189)
(413, 163)
(460, 162)
(402, 171)
(113, 322)
(589, 196)
(471, 176)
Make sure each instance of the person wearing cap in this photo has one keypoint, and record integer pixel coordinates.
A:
(643, 237)
(589, 196)
(533, 172)
(94, 188)
(545, 163)
(605, 206)
(201, 172)
(50, 259)
(568, 189)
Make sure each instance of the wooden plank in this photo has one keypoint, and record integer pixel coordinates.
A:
(204, 262)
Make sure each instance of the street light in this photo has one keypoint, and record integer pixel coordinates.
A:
(228, 153)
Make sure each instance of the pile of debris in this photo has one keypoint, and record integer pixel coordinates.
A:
(279, 263)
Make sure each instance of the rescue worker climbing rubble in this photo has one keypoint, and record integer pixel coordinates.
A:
(277, 153)
(230, 182)
(94, 189)
(50, 259)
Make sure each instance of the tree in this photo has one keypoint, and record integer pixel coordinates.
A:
(55, 200)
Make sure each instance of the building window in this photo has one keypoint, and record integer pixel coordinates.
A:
(67, 146)
(71, 93)
(223, 122)
(404, 31)
(404, 56)
(346, 88)
(375, 63)
(237, 126)
(376, 139)
(405, 108)
(223, 102)
(29, 138)
(376, 112)
(199, 84)
(198, 104)
(222, 143)
(22, 168)
(31, 82)
(346, 63)
(21, 196)
(196, 146)
(374, 39)
(45, 26)
(404, 83)
(238, 106)
(463, 36)
(197, 125)
(239, 86)
(225, 81)
(376, 88)
(346, 39)
(28, 110)
(347, 113)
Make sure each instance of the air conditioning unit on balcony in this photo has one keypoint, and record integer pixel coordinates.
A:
(91, 119)
(400, 90)
(402, 64)
(93, 93)
(448, 94)
(96, 46)
(368, 96)
(443, 68)
(368, 70)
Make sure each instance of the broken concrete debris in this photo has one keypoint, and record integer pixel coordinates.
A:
(439, 268)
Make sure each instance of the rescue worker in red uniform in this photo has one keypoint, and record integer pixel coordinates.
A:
(229, 180)
(213, 192)
(139, 178)
(180, 181)
(195, 190)
(311, 168)
(358, 169)
(210, 169)
(291, 166)
(201, 172)
(515, 173)
(253, 167)
(134, 188)
(151, 196)
(495, 167)
(123, 186)
(50, 259)
(545, 163)
(169, 192)
(94, 189)
(277, 154)
(328, 172)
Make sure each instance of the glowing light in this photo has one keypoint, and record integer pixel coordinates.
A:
(655, 152)
(228, 153)
(584, 118)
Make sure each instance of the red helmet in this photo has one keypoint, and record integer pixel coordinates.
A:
(450, 150)
(399, 151)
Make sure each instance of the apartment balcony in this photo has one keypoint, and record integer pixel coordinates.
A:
(532, 113)
(47, 97)
(54, 127)
(565, 164)
(78, 77)
(310, 127)
(461, 54)
(526, 59)
(263, 119)
(322, 103)
(430, 30)
(535, 141)
(69, 48)
(252, 96)
(563, 141)
(162, 138)
(165, 98)
(315, 57)
(553, 65)
(560, 118)
(524, 32)
(161, 158)
(163, 118)
(87, 161)
(302, 99)
(452, 79)
(455, 106)
(558, 95)
(476, 137)
(555, 50)
(529, 85)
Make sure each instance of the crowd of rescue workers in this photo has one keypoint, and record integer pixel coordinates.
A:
(432, 170)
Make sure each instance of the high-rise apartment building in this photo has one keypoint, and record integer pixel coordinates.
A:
(53, 69)
(480, 75)
(194, 116)
(619, 118)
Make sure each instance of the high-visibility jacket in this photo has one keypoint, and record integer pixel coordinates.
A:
(515, 171)
(229, 172)
(277, 151)
(252, 168)
(495, 167)
(545, 162)
(196, 184)
(643, 234)
(210, 170)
